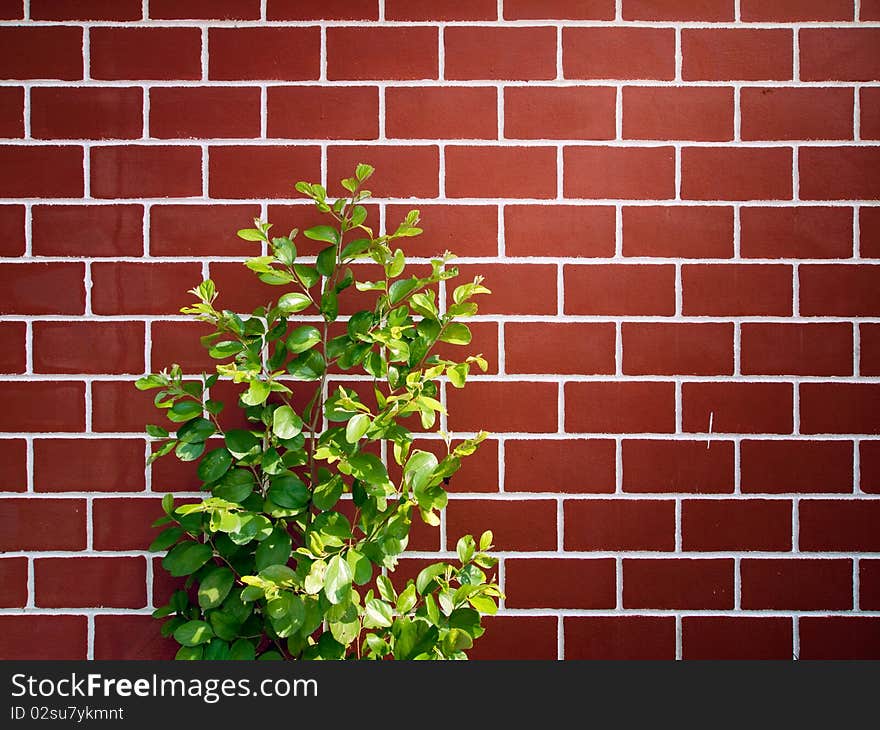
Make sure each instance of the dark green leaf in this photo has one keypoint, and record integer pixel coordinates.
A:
(303, 338)
(326, 261)
(235, 486)
(399, 289)
(274, 550)
(215, 586)
(193, 633)
(186, 558)
(184, 410)
(241, 443)
(215, 464)
(288, 491)
(322, 233)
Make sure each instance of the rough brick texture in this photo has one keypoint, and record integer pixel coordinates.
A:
(675, 203)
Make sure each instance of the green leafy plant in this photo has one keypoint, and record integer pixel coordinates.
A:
(289, 556)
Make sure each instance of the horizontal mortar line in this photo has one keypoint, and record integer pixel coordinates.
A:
(438, 83)
(634, 202)
(432, 142)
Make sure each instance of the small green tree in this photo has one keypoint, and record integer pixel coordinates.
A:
(279, 564)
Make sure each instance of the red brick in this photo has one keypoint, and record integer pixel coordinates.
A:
(651, 348)
(797, 584)
(507, 406)
(678, 231)
(832, 290)
(555, 347)
(211, 112)
(362, 53)
(205, 9)
(517, 637)
(554, 583)
(869, 105)
(451, 112)
(736, 637)
(677, 583)
(179, 342)
(118, 407)
(131, 637)
(622, 524)
(201, 230)
(839, 525)
(27, 636)
(751, 174)
(560, 230)
(125, 524)
(42, 52)
(619, 407)
(171, 475)
(694, 113)
(839, 173)
(619, 637)
(619, 172)
(519, 289)
(553, 112)
(797, 349)
(88, 347)
(87, 582)
(12, 344)
(239, 289)
(12, 10)
(448, 10)
(839, 54)
(796, 466)
(322, 112)
(86, 465)
(134, 288)
(86, 10)
(663, 466)
(466, 230)
(797, 113)
(328, 10)
(260, 172)
(41, 172)
(719, 290)
(869, 10)
(13, 582)
(11, 230)
(556, 9)
(787, 11)
(135, 171)
(13, 465)
(87, 230)
(809, 232)
(840, 407)
(687, 10)
(839, 637)
(568, 466)
(42, 406)
(869, 585)
(619, 289)
(23, 288)
(517, 525)
(869, 466)
(258, 53)
(500, 172)
(618, 53)
(145, 53)
(510, 53)
(401, 171)
(484, 342)
(754, 524)
(869, 349)
(11, 111)
(42, 524)
(721, 54)
(737, 407)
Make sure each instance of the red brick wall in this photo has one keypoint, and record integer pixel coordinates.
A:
(674, 202)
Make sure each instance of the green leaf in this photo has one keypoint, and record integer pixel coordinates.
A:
(189, 452)
(465, 548)
(337, 579)
(193, 633)
(235, 486)
(406, 601)
(327, 493)
(326, 261)
(457, 640)
(456, 333)
(184, 410)
(427, 575)
(251, 234)
(187, 558)
(307, 275)
(286, 423)
(395, 267)
(195, 431)
(166, 539)
(303, 338)
(363, 171)
(357, 426)
(225, 349)
(330, 305)
(150, 381)
(361, 566)
(293, 302)
(274, 550)
(400, 288)
(288, 491)
(368, 468)
(419, 469)
(287, 613)
(156, 432)
(256, 394)
(215, 464)
(322, 233)
(484, 604)
(241, 443)
(486, 540)
(386, 588)
(378, 614)
(242, 650)
(457, 374)
(215, 587)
